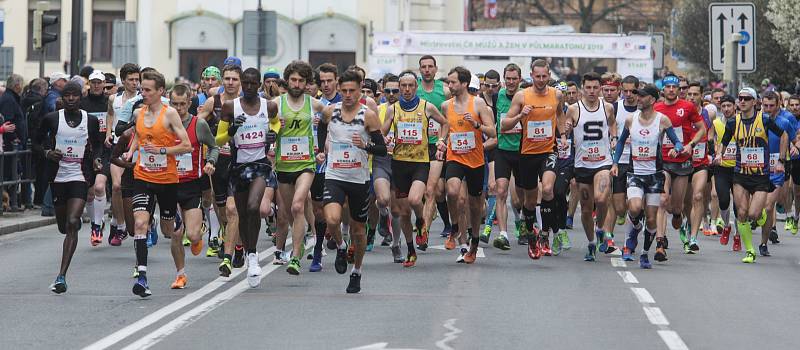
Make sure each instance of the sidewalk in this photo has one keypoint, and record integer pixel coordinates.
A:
(26, 220)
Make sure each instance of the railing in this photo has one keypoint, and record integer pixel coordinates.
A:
(12, 159)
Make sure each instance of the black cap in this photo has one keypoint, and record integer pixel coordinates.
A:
(649, 90)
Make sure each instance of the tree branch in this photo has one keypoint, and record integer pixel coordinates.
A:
(538, 5)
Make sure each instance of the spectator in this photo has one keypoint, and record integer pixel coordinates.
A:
(57, 82)
(12, 113)
(32, 104)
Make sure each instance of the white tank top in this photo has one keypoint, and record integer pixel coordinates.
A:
(646, 149)
(251, 138)
(119, 102)
(622, 115)
(345, 161)
(592, 146)
(72, 142)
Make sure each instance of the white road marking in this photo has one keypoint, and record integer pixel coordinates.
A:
(673, 340)
(618, 262)
(627, 277)
(643, 295)
(449, 336)
(616, 252)
(655, 316)
(159, 314)
(377, 346)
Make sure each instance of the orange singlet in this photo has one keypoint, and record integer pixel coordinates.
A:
(154, 167)
(538, 127)
(466, 142)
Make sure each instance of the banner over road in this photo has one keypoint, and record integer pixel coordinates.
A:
(511, 44)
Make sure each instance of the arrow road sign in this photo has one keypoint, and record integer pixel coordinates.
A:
(724, 20)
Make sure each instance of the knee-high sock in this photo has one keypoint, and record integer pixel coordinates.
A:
(648, 239)
(530, 218)
(140, 245)
(213, 221)
(397, 231)
(443, 213)
(320, 226)
(548, 213)
(99, 208)
(746, 232)
(491, 209)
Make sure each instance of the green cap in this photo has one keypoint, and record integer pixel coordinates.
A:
(212, 71)
(272, 72)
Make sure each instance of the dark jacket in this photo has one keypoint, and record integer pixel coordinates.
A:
(12, 112)
(33, 107)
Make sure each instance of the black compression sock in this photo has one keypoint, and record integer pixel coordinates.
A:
(321, 226)
(648, 239)
(548, 215)
(443, 213)
(140, 246)
(530, 218)
(411, 250)
(418, 223)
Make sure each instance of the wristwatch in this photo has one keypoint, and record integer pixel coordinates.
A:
(163, 150)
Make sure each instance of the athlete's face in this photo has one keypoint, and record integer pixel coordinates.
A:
(540, 76)
(351, 93)
(368, 92)
(110, 89)
(428, 70)
(716, 98)
(770, 106)
(131, 82)
(180, 103)
(512, 80)
(610, 93)
(327, 83)
(96, 87)
(629, 93)
(746, 103)
(456, 86)
(151, 94)
(232, 82)
(312, 88)
(644, 102)
(211, 82)
(694, 95)
(250, 85)
(71, 101)
(670, 92)
(591, 90)
(683, 87)
(392, 90)
(794, 106)
(408, 87)
(573, 95)
(728, 109)
(492, 86)
(297, 85)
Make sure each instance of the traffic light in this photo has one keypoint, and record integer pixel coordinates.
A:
(40, 24)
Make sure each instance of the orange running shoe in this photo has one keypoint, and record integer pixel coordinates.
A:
(450, 242)
(411, 260)
(180, 282)
(471, 255)
(197, 247)
(422, 239)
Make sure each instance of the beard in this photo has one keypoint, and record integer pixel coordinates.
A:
(296, 92)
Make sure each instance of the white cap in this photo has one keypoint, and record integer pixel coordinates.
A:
(97, 74)
(55, 76)
(474, 82)
(749, 91)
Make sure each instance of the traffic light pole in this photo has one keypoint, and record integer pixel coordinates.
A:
(75, 37)
(260, 35)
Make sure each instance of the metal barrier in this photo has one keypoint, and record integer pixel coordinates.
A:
(12, 159)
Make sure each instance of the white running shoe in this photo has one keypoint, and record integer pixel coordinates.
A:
(253, 270)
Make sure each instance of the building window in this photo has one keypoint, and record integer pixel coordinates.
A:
(103, 33)
(52, 51)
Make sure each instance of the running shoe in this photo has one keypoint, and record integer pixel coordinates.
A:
(601, 237)
(788, 224)
(793, 229)
(566, 244)
(397, 255)
(238, 257)
(225, 267)
(644, 262)
(253, 270)
(387, 240)
(471, 255)
(112, 233)
(556, 244)
(501, 242)
(197, 247)
(591, 252)
(707, 231)
(661, 254)
(385, 222)
(737, 243)
(763, 250)
(610, 247)
(773, 236)
(97, 235)
(186, 241)
(450, 242)
(135, 272)
(140, 288)
(693, 244)
(719, 224)
(749, 258)
(534, 248)
(355, 283)
(60, 285)
(411, 260)
(544, 244)
(115, 238)
(763, 219)
(213, 247)
(370, 241)
(446, 231)
(632, 240)
(487, 231)
(627, 254)
(461, 255)
(294, 266)
(316, 263)
(331, 244)
(180, 282)
(620, 220)
(340, 264)
(422, 239)
(686, 249)
(725, 236)
(522, 239)
(569, 222)
(683, 231)
(280, 259)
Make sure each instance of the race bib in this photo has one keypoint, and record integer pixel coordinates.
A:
(594, 151)
(644, 150)
(101, 119)
(730, 151)
(343, 156)
(152, 161)
(184, 163)
(295, 148)
(71, 148)
(391, 141)
(752, 157)
(410, 133)
(564, 148)
(773, 161)
(225, 149)
(667, 143)
(699, 152)
(462, 142)
(433, 128)
(540, 130)
(252, 134)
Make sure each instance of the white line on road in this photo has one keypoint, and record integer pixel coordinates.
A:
(449, 336)
(655, 316)
(618, 262)
(627, 277)
(643, 295)
(673, 340)
(156, 316)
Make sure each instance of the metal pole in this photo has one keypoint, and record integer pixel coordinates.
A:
(41, 62)
(730, 72)
(260, 35)
(75, 37)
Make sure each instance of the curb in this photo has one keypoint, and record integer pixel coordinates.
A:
(27, 225)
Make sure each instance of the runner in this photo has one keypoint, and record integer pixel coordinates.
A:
(211, 80)
(793, 107)
(382, 172)
(723, 171)
(538, 111)
(645, 176)
(694, 201)
(572, 96)
(751, 181)
(594, 121)
(71, 140)
(407, 119)
(250, 122)
(565, 170)
(155, 175)
(469, 119)
(490, 89)
(353, 131)
(193, 171)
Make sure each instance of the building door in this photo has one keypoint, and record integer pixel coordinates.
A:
(342, 60)
(192, 62)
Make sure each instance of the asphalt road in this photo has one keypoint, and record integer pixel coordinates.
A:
(505, 300)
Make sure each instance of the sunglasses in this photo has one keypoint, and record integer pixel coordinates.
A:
(391, 91)
(492, 86)
(683, 88)
(106, 88)
(746, 98)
